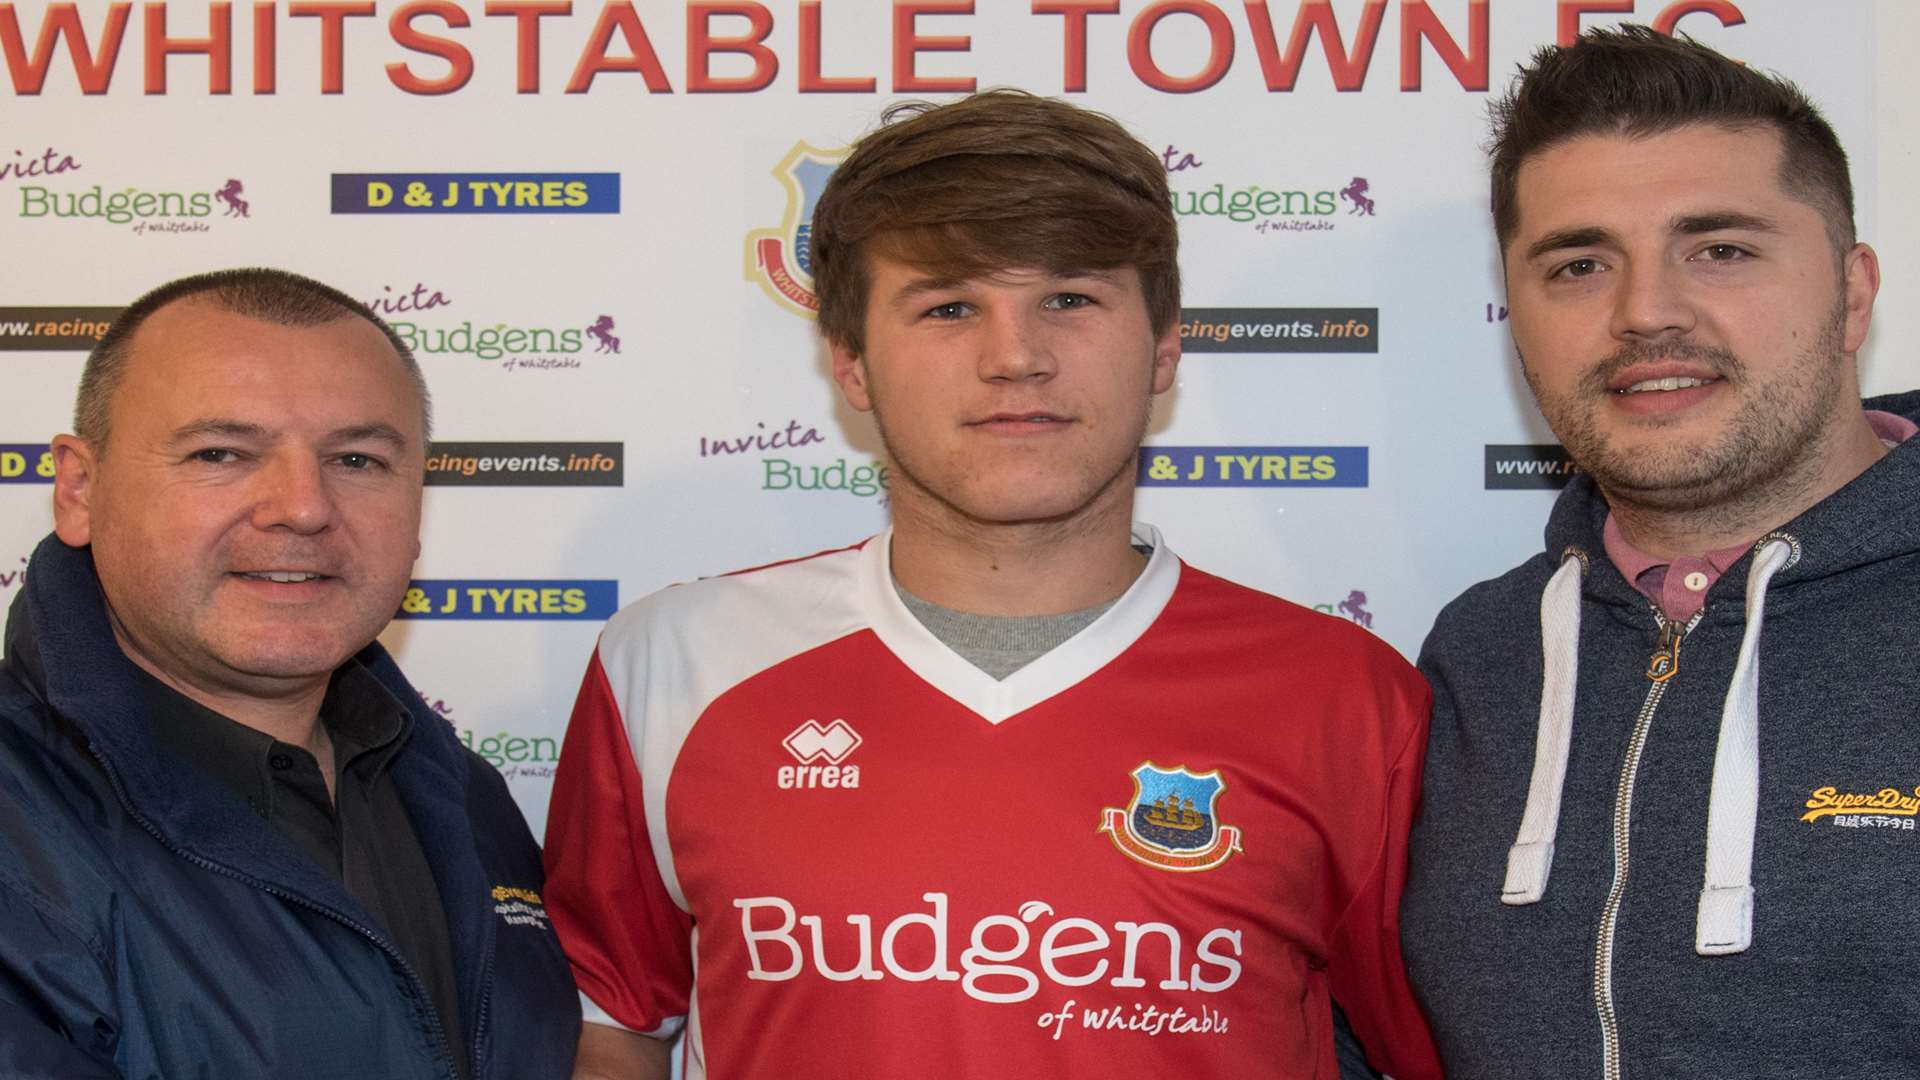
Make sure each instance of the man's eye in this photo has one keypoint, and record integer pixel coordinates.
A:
(1579, 268)
(952, 310)
(359, 461)
(1069, 301)
(1723, 252)
(214, 455)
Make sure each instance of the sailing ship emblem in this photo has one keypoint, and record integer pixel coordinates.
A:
(1172, 823)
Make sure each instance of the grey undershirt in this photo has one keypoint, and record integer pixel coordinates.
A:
(1002, 644)
(999, 644)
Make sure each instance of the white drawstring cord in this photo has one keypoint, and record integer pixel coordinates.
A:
(1530, 859)
(1725, 922)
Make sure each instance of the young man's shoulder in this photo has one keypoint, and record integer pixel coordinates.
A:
(770, 590)
(715, 631)
(1265, 620)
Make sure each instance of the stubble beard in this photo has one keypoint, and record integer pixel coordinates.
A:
(1769, 452)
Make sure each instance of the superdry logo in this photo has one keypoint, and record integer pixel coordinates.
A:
(820, 752)
(1888, 808)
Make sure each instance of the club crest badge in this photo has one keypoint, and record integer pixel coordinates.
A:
(780, 260)
(1172, 822)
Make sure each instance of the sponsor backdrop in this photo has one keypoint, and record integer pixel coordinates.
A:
(590, 221)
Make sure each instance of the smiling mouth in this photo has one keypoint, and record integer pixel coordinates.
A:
(1672, 382)
(281, 577)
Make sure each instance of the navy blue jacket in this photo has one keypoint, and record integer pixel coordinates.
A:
(152, 926)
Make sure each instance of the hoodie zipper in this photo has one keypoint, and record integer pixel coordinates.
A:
(1662, 666)
(435, 1027)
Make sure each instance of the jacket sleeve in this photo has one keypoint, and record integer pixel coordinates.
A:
(1368, 973)
(629, 942)
(49, 982)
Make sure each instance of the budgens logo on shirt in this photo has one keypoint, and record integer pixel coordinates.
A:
(1007, 957)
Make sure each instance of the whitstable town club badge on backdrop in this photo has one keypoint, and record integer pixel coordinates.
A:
(1171, 822)
(780, 260)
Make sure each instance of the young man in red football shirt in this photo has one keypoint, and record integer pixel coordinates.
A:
(1007, 790)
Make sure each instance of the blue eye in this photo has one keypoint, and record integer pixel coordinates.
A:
(953, 309)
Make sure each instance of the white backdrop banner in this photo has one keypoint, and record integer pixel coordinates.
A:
(590, 221)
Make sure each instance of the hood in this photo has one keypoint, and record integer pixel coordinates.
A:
(1848, 529)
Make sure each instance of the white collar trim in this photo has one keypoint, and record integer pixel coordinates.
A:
(1062, 668)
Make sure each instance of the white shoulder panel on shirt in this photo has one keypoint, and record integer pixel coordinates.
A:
(669, 655)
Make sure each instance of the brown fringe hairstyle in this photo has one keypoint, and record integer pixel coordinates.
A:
(1636, 82)
(997, 180)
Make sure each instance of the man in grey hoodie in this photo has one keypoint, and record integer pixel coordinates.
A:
(1644, 853)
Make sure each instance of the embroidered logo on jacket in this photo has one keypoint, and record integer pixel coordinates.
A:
(821, 752)
(519, 907)
(1884, 809)
(1171, 822)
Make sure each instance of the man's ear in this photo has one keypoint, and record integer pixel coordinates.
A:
(1166, 357)
(850, 372)
(1862, 284)
(76, 468)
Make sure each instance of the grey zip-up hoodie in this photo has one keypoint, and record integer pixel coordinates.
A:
(1653, 858)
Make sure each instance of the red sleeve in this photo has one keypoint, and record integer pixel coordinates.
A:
(1368, 975)
(630, 945)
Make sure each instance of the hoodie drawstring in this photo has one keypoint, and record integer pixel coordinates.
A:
(1725, 923)
(1531, 857)
(1725, 917)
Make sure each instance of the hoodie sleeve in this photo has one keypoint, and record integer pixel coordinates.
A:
(1369, 976)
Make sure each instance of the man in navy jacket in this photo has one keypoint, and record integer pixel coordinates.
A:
(233, 842)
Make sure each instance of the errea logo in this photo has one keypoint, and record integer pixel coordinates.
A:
(820, 752)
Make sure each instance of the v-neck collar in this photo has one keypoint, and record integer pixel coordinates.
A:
(1062, 668)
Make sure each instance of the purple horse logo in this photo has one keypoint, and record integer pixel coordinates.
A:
(1356, 193)
(236, 206)
(1355, 607)
(602, 332)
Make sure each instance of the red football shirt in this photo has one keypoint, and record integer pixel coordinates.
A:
(789, 818)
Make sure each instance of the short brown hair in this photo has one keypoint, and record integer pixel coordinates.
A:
(273, 296)
(996, 180)
(1636, 82)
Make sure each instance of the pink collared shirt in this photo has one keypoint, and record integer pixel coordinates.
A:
(1680, 586)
